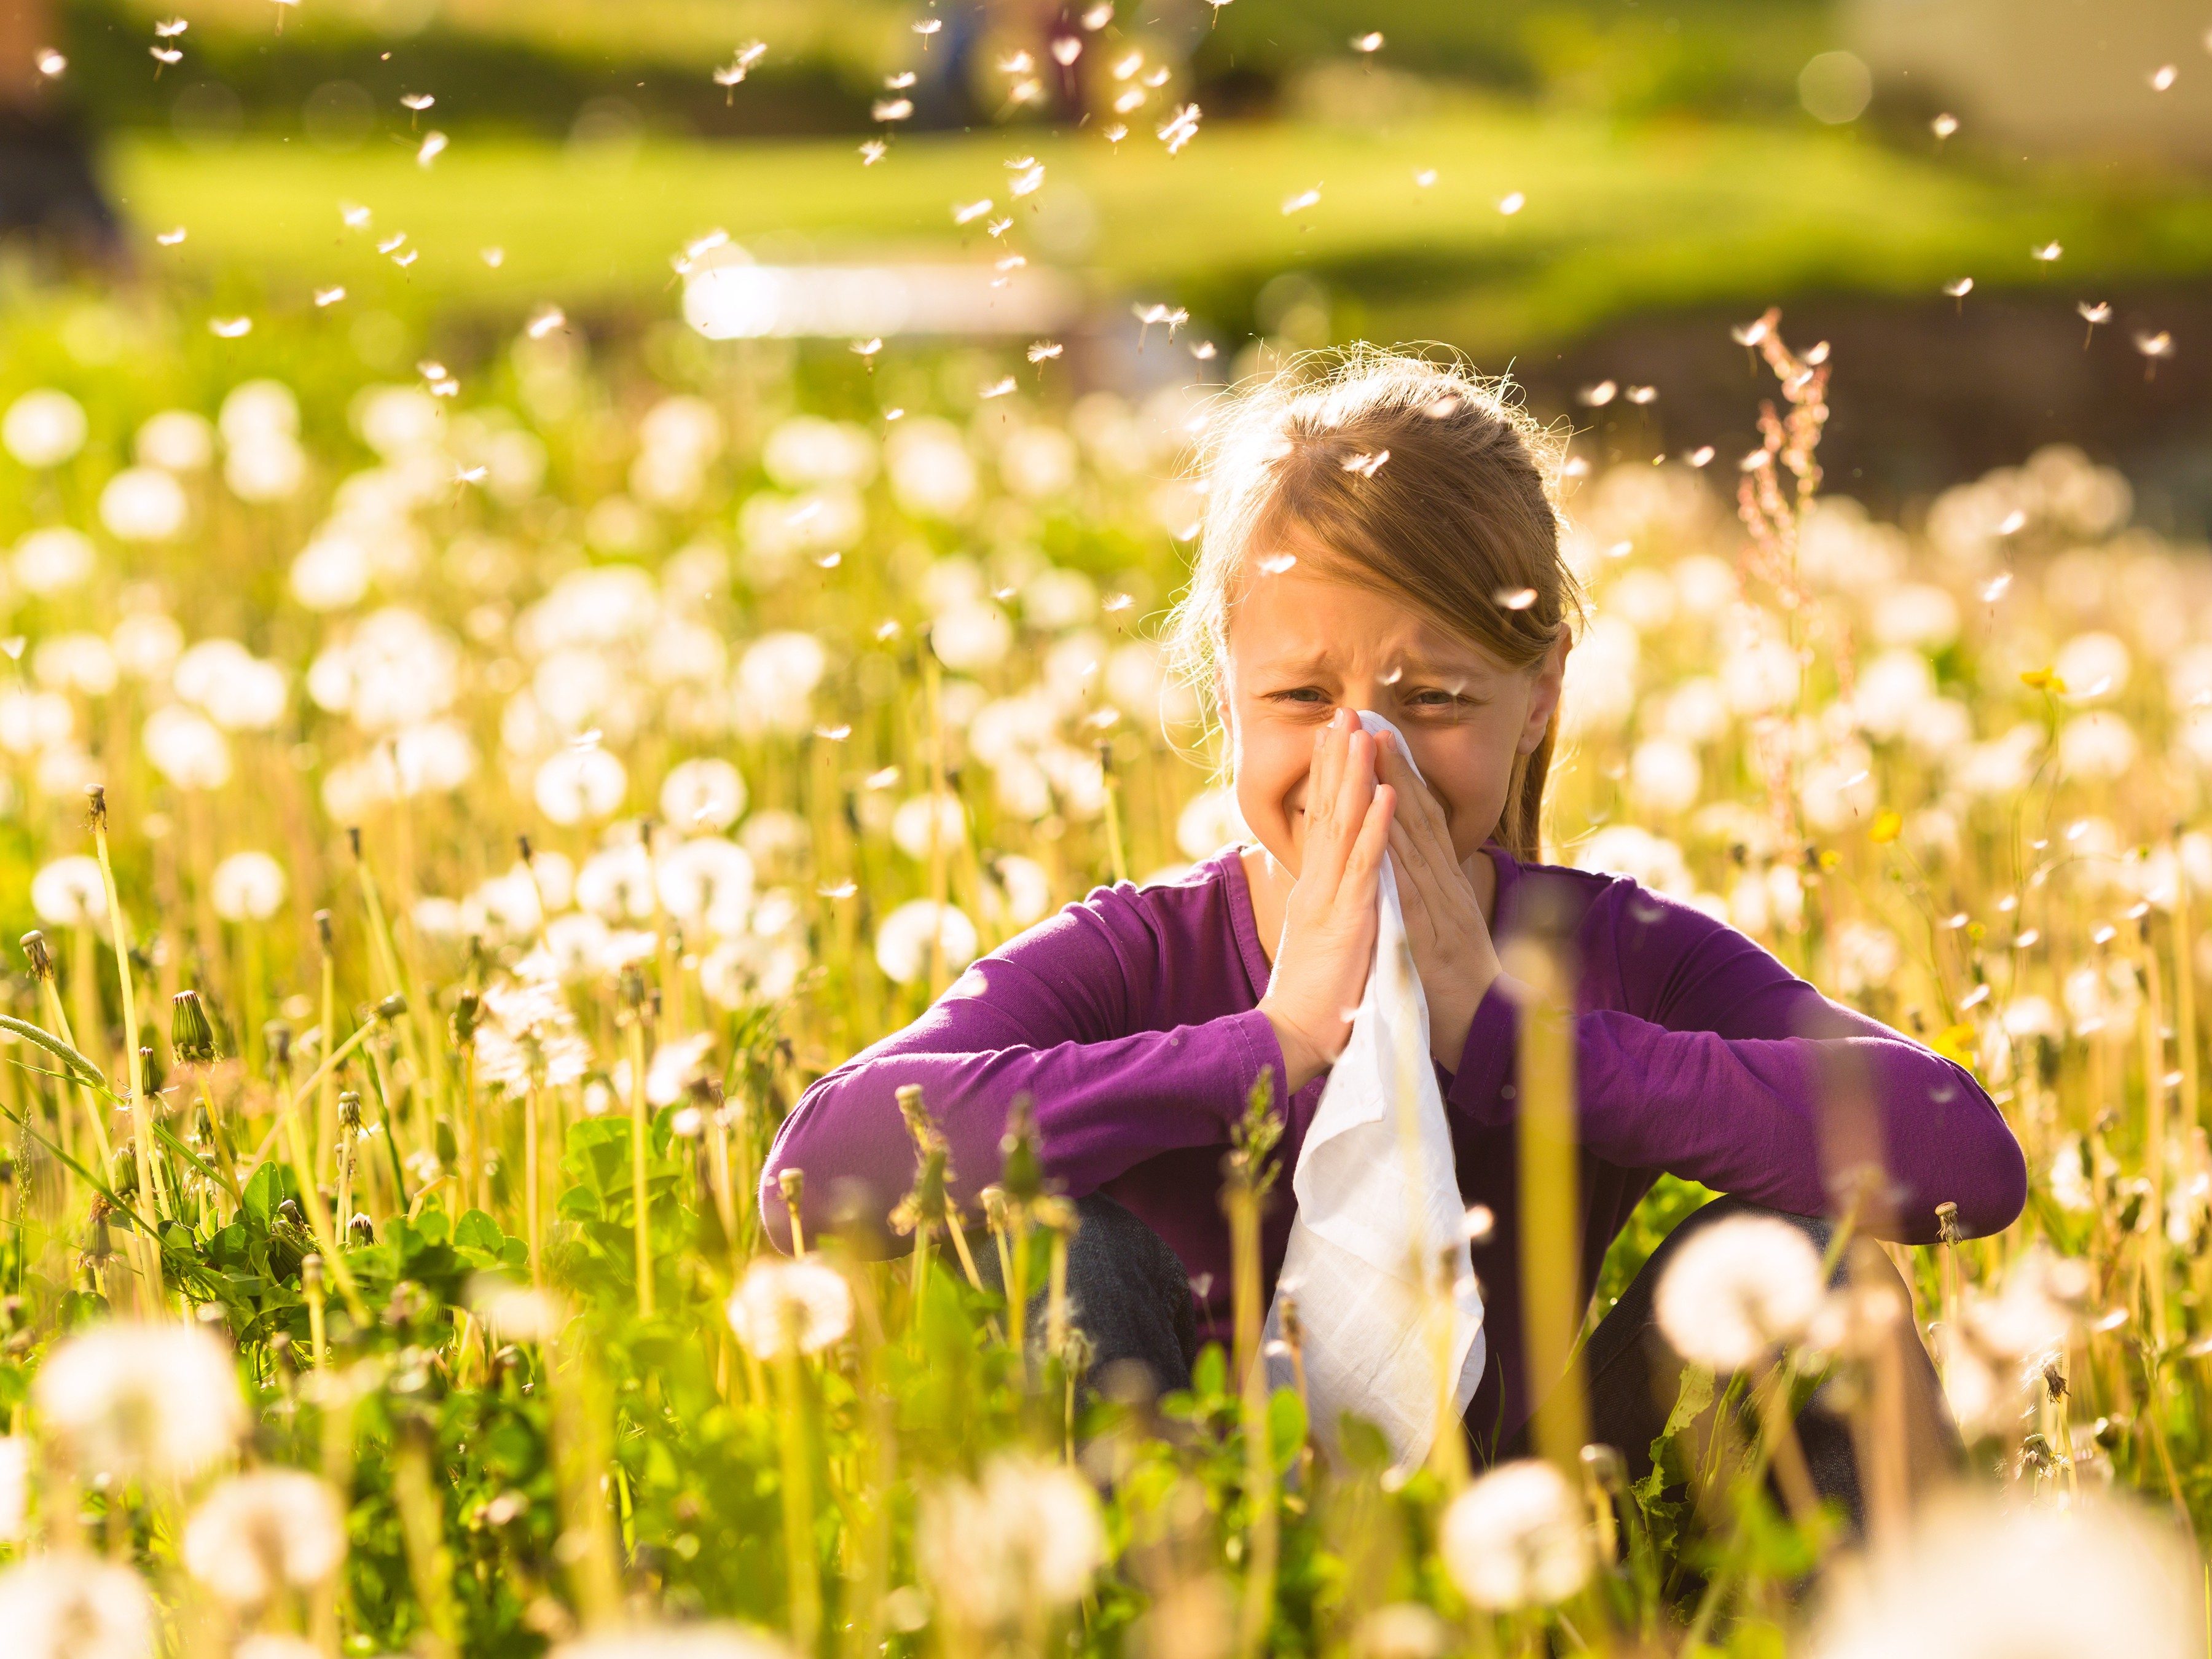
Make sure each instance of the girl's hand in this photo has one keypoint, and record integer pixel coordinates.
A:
(1328, 924)
(1453, 951)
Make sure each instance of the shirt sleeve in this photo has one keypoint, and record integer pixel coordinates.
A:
(1056, 1014)
(1735, 1073)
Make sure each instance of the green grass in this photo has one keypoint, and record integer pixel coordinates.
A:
(1617, 218)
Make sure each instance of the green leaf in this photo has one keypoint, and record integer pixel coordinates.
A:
(272, 1183)
(1209, 1378)
(477, 1231)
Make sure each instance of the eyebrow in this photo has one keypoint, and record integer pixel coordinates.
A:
(1324, 660)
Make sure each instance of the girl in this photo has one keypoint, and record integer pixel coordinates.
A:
(1386, 540)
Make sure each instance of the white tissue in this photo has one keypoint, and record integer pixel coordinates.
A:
(1376, 1193)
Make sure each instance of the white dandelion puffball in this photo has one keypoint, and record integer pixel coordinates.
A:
(1737, 1289)
(53, 559)
(703, 794)
(775, 682)
(187, 748)
(275, 1644)
(73, 1607)
(127, 1399)
(332, 571)
(1978, 1579)
(44, 429)
(972, 637)
(15, 1487)
(263, 1532)
(573, 788)
(1665, 775)
(513, 1311)
(240, 691)
(903, 941)
(1211, 822)
(70, 892)
(674, 1642)
(1518, 1537)
(246, 887)
(807, 451)
(177, 441)
(783, 1305)
(2099, 744)
(1027, 1532)
(143, 504)
(707, 882)
(930, 472)
(925, 817)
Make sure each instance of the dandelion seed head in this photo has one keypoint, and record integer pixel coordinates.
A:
(130, 1400)
(1028, 1531)
(1517, 1537)
(73, 1606)
(261, 1532)
(781, 1306)
(1737, 1289)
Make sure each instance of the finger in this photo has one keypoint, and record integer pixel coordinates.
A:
(1332, 814)
(1366, 855)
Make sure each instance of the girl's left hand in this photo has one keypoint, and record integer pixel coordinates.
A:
(1452, 948)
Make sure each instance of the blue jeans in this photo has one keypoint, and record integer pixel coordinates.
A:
(1130, 1297)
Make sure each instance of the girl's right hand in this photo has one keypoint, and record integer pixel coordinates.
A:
(1328, 945)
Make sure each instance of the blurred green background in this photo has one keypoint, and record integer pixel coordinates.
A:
(1681, 164)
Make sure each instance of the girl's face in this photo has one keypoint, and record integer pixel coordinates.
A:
(1301, 645)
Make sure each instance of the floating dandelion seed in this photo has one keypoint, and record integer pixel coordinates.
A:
(900, 82)
(418, 101)
(1066, 50)
(1960, 289)
(1372, 41)
(1027, 181)
(740, 66)
(170, 238)
(404, 260)
(551, 318)
(2162, 77)
(328, 297)
(1276, 563)
(1515, 598)
(1512, 202)
(1134, 98)
(170, 28)
(1114, 134)
(2153, 347)
(1154, 78)
(495, 256)
(165, 56)
(833, 733)
(393, 243)
(1943, 126)
(2045, 254)
(997, 388)
(1179, 128)
(927, 27)
(1701, 456)
(1205, 351)
(230, 328)
(1995, 590)
(966, 212)
(868, 348)
(1148, 315)
(843, 890)
(2013, 523)
(1641, 395)
(1367, 465)
(872, 151)
(353, 215)
(1099, 16)
(1127, 68)
(433, 146)
(998, 228)
(52, 63)
(1598, 396)
(1750, 334)
(470, 474)
(2092, 312)
(1302, 201)
(1045, 350)
(1011, 262)
(1017, 62)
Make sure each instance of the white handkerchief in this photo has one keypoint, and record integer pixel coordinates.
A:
(1378, 1196)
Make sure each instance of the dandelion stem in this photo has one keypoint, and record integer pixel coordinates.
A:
(639, 1135)
(134, 1064)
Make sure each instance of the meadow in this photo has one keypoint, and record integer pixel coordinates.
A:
(452, 813)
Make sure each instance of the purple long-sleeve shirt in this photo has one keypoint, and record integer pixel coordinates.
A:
(1131, 1019)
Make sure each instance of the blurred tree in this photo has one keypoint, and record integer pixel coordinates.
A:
(50, 192)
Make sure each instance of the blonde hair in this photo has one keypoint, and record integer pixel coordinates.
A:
(1418, 476)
